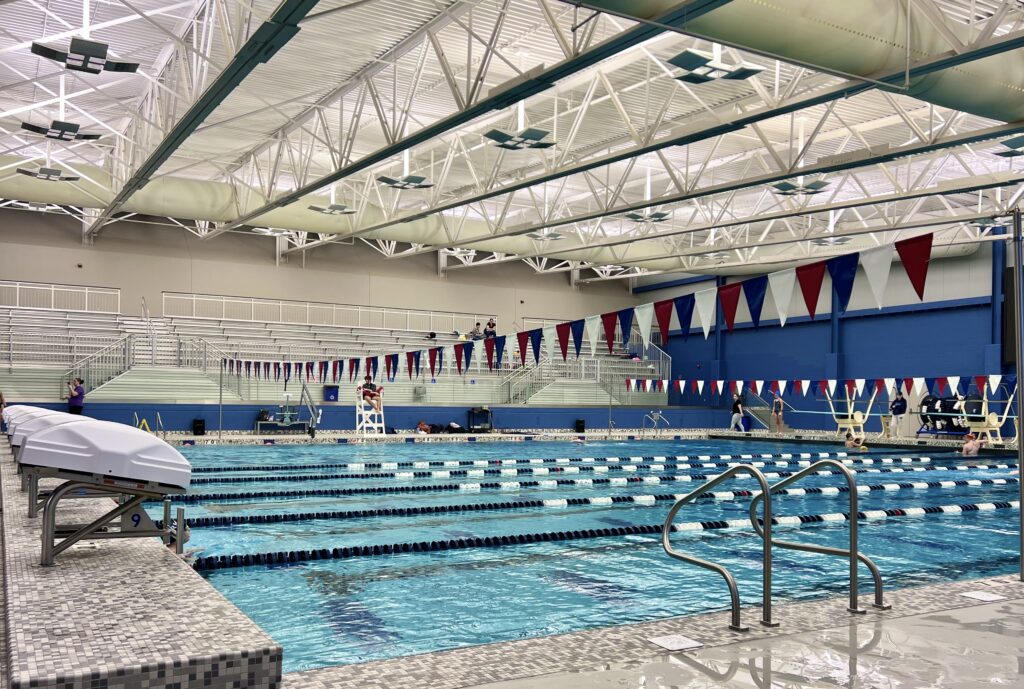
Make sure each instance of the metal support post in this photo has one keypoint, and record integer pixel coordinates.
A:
(1018, 346)
(220, 404)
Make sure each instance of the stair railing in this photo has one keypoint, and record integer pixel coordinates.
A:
(101, 366)
(766, 546)
(306, 400)
(763, 528)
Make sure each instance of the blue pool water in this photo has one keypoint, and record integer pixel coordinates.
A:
(353, 610)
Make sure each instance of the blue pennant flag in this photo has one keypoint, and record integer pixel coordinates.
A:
(626, 325)
(754, 290)
(467, 354)
(499, 350)
(416, 362)
(535, 336)
(843, 270)
(684, 310)
(576, 328)
(929, 386)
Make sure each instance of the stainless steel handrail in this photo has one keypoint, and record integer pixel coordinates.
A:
(766, 547)
(853, 553)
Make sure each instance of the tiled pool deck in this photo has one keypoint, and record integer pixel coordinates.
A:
(117, 614)
(128, 613)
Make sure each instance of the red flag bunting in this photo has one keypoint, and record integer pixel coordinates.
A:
(915, 254)
(693, 386)
(432, 355)
(458, 356)
(729, 298)
(940, 383)
(850, 388)
(879, 386)
(562, 330)
(663, 313)
(823, 386)
(908, 385)
(524, 338)
(610, 320)
(489, 348)
(798, 387)
(408, 362)
(980, 381)
(810, 278)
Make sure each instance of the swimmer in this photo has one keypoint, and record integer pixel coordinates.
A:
(855, 443)
(971, 445)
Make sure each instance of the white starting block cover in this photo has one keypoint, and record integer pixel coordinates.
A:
(31, 413)
(38, 423)
(14, 411)
(109, 449)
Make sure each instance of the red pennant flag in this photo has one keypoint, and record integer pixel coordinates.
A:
(980, 382)
(524, 338)
(774, 386)
(908, 385)
(693, 386)
(798, 387)
(915, 254)
(562, 330)
(458, 356)
(679, 386)
(879, 386)
(729, 298)
(810, 278)
(663, 312)
(714, 387)
(387, 367)
(940, 384)
(432, 354)
(408, 362)
(753, 386)
(850, 387)
(823, 386)
(610, 320)
(489, 348)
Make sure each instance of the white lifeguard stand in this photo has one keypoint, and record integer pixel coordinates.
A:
(369, 421)
(851, 420)
(988, 424)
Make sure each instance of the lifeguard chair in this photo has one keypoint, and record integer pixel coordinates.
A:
(369, 421)
(988, 424)
(851, 420)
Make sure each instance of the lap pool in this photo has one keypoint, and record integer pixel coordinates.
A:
(541, 538)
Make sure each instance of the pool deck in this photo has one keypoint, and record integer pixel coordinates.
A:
(623, 656)
(116, 614)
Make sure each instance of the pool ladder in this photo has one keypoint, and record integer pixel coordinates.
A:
(763, 527)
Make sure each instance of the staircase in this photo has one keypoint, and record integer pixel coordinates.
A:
(151, 341)
(161, 384)
(591, 393)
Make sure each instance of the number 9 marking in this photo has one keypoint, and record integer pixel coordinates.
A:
(135, 520)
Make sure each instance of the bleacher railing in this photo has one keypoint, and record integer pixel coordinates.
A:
(50, 350)
(208, 306)
(38, 295)
(99, 367)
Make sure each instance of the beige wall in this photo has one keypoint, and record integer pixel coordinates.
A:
(146, 260)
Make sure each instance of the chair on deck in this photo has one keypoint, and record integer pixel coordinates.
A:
(369, 421)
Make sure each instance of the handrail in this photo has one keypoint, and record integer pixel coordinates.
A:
(306, 399)
(853, 553)
(97, 354)
(766, 546)
(160, 427)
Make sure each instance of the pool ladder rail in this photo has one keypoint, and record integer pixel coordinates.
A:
(763, 527)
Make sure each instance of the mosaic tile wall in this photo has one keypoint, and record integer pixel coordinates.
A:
(118, 614)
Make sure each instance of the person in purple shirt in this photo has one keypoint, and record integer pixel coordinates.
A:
(76, 396)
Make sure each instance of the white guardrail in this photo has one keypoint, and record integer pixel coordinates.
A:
(38, 295)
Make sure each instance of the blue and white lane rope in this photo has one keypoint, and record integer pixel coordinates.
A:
(546, 483)
(542, 471)
(571, 502)
(213, 562)
(453, 463)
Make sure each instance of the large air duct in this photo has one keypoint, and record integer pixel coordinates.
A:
(867, 37)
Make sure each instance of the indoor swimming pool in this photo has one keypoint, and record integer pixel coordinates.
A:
(502, 541)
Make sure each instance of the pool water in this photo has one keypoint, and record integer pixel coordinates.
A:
(331, 612)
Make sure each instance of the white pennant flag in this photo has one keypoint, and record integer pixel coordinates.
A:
(758, 386)
(831, 387)
(549, 341)
(954, 384)
(664, 385)
(805, 386)
(721, 388)
(782, 387)
(993, 382)
(858, 384)
(681, 386)
(593, 332)
(706, 309)
(919, 385)
(890, 383)
(781, 285)
(739, 387)
(700, 387)
(644, 315)
(876, 264)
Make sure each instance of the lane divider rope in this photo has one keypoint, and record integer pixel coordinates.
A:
(214, 562)
(651, 499)
(547, 483)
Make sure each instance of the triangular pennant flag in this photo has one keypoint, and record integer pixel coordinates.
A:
(609, 320)
(700, 387)
(805, 387)
(593, 332)
(489, 350)
(858, 383)
(277, 370)
(576, 328)
(954, 384)
(629, 384)
(810, 278)
(781, 285)
(432, 356)
(915, 254)
(850, 387)
(467, 349)
(372, 363)
(409, 359)
(781, 385)
(523, 338)
(758, 386)
(287, 371)
(693, 386)
(909, 384)
(754, 290)
(644, 319)
(680, 386)
(563, 332)
(706, 309)
(823, 386)
(979, 382)
(832, 387)
(353, 368)
(394, 367)
(535, 337)
(889, 383)
(729, 298)
(663, 314)
(879, 386)
(416, 362)
(843, 270)
(717, 386)
(626, 325)
(739, 387)
(684, 312)
(993, 383)
(441, 356)
(876, 264)
(549, 336)
(499, 350)
(387, 366)
(266, 370)
(458, 356)
(248, 369)
(940, 386)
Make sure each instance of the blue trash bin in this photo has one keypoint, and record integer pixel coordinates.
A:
(331, 393)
